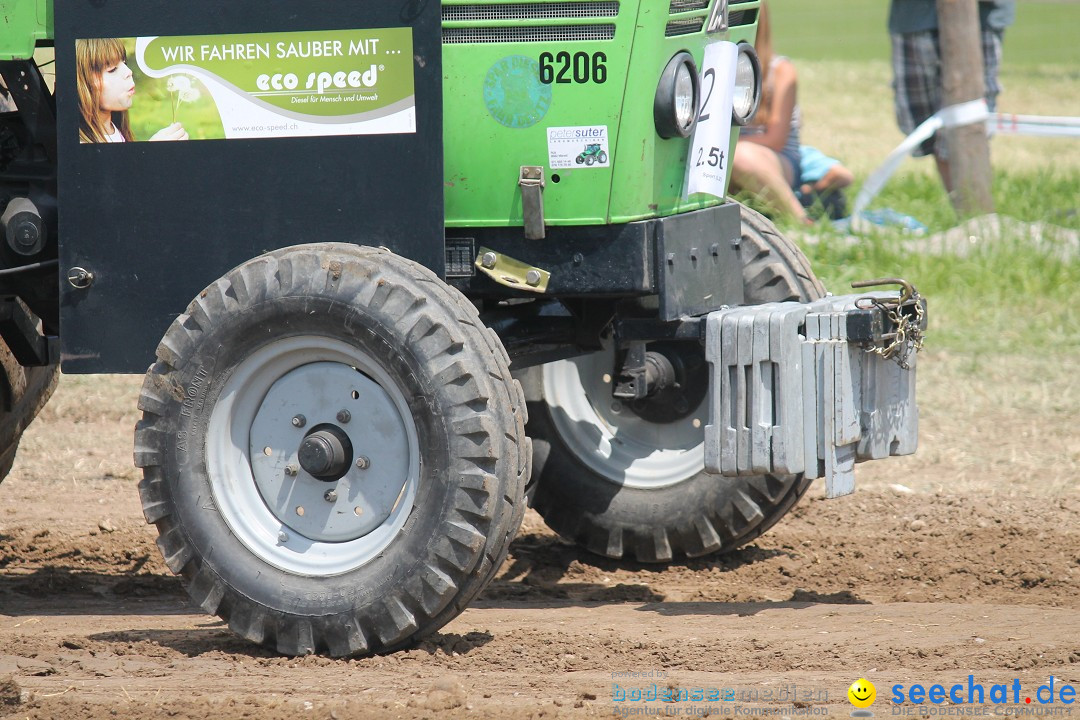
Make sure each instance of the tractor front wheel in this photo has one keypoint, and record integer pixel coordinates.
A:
(333, 450)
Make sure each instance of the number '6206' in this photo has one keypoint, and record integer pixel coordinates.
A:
(580, 68)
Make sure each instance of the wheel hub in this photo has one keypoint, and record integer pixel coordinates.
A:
(682, 381)
(326, 454)
(342, 476)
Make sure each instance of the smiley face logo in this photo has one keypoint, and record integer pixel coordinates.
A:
(862, 693)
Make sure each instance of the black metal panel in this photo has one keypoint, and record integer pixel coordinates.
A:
(697, 262)
(155, 222)
(598, 260)
(649, 257)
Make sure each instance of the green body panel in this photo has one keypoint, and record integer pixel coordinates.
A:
(22, 24)
(646, 177)
(650, 172)
(483, 156)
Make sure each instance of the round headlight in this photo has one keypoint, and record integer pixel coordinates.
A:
(747, 85)
(676, 105)
(685, 98)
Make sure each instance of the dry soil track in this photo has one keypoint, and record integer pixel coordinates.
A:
(922, 583)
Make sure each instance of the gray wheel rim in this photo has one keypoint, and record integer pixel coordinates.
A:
(615, 443)
(274, 507)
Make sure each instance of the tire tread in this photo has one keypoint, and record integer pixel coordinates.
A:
(488, 445)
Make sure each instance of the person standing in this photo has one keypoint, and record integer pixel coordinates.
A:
(916, 59)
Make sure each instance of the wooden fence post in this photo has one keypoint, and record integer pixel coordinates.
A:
(962, 81)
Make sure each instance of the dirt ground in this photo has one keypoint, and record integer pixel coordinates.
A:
(962, 560)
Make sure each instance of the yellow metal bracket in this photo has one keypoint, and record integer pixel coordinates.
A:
(512, 273)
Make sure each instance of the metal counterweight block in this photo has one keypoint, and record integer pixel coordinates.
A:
(791, 392)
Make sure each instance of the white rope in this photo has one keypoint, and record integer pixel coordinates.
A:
(957, 116)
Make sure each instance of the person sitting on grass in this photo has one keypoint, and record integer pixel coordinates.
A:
(766, 162)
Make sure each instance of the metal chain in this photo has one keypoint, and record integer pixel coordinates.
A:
(907, 338)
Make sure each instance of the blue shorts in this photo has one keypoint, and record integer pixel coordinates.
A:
(814, 164)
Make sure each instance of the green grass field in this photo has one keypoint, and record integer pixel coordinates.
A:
(1005, 299)
(842, 53)
(1044, 33)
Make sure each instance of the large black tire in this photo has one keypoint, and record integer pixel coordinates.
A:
(654, 508)
(414, 346)
(23, 392)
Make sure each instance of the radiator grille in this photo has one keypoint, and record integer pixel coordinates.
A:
(684, 27)
(533, 11)
(681, 6)
(551, 33)
(742, 17)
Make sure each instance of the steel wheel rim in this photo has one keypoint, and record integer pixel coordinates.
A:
(620, 447)
(233, 478)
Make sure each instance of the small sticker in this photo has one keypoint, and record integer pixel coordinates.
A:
(578, 147)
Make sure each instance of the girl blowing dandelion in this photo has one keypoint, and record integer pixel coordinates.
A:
(106, 93)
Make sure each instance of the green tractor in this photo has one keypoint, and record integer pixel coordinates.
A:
(386, 301)
(593, 154)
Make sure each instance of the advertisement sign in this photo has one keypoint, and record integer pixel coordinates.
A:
(256, 85)
(193, 137)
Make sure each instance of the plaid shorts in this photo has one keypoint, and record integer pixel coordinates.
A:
(916, 59)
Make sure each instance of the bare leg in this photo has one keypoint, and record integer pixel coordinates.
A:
(758, 170)
(836, 178)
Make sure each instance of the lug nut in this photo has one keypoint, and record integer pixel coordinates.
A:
(282, 537)
(330, 496)
(533, 278)
(299, 421)
(344, 416)
(489, 260)
(291, 470)
(363, 463)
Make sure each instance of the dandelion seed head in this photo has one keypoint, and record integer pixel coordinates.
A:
(189, 95)
(178, 83)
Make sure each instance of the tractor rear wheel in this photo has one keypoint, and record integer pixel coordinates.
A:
(23, 392)
(625, 481)
(333, 450)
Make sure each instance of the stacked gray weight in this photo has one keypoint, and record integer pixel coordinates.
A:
(790, 394)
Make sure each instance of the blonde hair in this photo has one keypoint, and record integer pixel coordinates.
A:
(92, 58)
